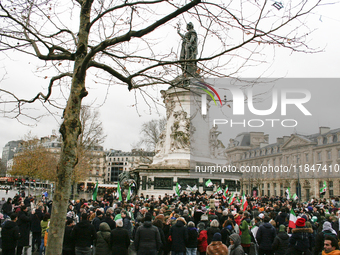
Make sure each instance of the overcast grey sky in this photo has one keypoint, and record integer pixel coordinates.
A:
(122, 121)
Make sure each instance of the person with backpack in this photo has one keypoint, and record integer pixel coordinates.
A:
(327, 230)
(227, 231)
(281, 241)
(302, 240)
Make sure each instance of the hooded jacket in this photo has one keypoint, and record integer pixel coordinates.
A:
(84, 234)
(302, 238)
(265, 236)
(236, 248)
(147, 237)
(280, 244)
(244, 227)
(103, 241)
(217, 248)
(179, 234)
(10, 235)
(202, 241)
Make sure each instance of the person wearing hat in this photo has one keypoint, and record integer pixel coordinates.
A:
(235, 247)
(302, 238)
(216, 246)
(281, 241)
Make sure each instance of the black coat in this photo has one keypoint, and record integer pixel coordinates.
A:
(211, 232)
(120, 241)
(36, 218)
(302, 239)
(265, 236)
(147, 237)
(280, 244)
(110, 221)
(179, 234)
(10, 235)
(68, 244)
(24, 228)
(192, 238)
(7, 208)
(84, 234)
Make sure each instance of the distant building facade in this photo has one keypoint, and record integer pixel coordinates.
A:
(270, 169)
(118, 161)
(8, 152)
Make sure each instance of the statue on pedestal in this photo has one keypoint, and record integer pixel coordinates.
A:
(189, 50)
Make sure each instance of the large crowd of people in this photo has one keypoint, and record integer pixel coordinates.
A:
(192, 223)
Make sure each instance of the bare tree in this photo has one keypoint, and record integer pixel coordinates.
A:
(116, 38)
(150, 132)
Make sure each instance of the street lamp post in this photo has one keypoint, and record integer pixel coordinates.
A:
(298, 171)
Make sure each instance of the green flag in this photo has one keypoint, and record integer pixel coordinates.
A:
(324, 188)
(295, 196)
(178, 189)
(128, 197)
(95, 191)
(119, 194)
(209, 183)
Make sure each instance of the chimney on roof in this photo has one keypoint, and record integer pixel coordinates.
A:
(324, 130)
(279, 140)
(285, 138)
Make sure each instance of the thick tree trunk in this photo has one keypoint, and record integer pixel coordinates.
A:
(70, 130)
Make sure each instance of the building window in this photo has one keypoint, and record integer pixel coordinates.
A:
(338, 153)
(319, 156)
(330, 185)
(307, 157)
(268, 185)
(329, 155)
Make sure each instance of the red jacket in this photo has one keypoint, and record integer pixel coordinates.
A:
(202, 241)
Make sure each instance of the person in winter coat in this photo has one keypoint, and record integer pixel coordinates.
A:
(245, 236)
(265, 237)
(10, 235)
(127, 223)
(97, 220)
(214, 228)
(202, 239)
(24, 228)
(216, 247)
(68, 243)
(84, 233)
(227, 231)
(147, 237)
(36, 218)
(319, 240)
(179, 235)
(281, 241)
(302, 239)
(103, 241)
(235, 247)
(120, 240)
(192, 239)
(159, 224)
(7, 208)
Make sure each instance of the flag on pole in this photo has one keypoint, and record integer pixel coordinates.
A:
(209, 183)
(119, 193)
(292, 219)
(219, 190)
(95, 192)
(295, 197)
(289, 196)
(231, 199)
(178, 189)
(324, 188)
(244, 202)
(238, 200)
(189, 188)
(128, 197)
(225, 193)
